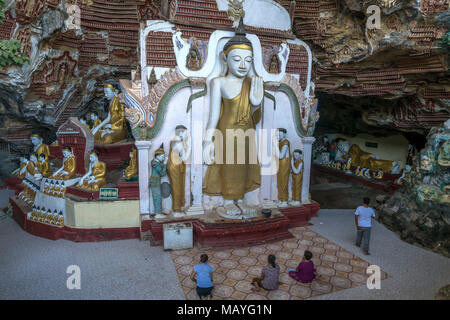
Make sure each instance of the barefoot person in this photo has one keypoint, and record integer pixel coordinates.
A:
(269, 275)
(305, 271)
(363, 221)
(202, 275)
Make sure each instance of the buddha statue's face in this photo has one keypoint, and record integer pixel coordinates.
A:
(93, 116)
(22, 159)
(66, 153)
(41, 159)
(239, 62)
(281, 135)
(181, 133)
(297, 155)
(93, 158)
(36, 141)
(33, 158)
(109, 93)
(83, 121)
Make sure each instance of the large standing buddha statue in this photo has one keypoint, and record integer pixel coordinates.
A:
(232, 98)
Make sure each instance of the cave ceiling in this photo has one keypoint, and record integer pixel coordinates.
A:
(389, 78)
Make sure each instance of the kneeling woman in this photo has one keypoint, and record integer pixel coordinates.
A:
(202, 274)
(269, 275)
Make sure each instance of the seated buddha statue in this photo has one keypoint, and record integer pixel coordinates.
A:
(21, 170)
(132, 170)
(114, 128)
(94, 121)
(68, 170)
(39, 146)
(95, 178)
(44, 166)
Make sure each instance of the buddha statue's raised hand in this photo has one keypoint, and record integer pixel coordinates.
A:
(256, 94)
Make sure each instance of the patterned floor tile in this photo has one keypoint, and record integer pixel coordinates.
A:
(235, 268)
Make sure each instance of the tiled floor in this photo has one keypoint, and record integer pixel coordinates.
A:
(235, 268)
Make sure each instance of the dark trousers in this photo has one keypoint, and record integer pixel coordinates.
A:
(363, 232)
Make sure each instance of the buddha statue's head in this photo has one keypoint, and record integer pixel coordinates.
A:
(42, 157)
(238, 53)
(282, 133)
(93, 156)
(67, 152)
(22, 159)
(83, 120)
(33, 157)
(297, 154)
(36, 139)
(93, 116)
(110, 91)
(181, 132)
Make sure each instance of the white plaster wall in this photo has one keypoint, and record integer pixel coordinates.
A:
(275, 16)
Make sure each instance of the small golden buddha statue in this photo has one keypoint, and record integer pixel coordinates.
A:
(44, 166)
(95, 178)
(297, 176)
(114, 128)
(132, 170)
(68, 170)
(39, 147)
(95, 121)
(284, 168)
(180, 150)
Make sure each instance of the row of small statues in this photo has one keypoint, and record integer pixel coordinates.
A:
(288, 164)
(174, 166)
(360, 172)
(47, 216)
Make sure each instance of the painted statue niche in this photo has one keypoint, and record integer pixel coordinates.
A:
(274, 66)
(180, 151)
(235, 102)
(114, 128)
(193, 58)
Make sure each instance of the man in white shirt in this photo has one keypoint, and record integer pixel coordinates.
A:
(363, 221)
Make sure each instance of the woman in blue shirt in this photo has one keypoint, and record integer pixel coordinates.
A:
(202, 274)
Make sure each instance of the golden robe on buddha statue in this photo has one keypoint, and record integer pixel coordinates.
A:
(69, 168)
(176, 170)
(116, 130)
(233, 180)
(284, 168)
(99, 174)
(132, 169)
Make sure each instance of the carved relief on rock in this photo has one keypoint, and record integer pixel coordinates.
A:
(24, 36)
(28, 10)
(55, 74)
(149, 10)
